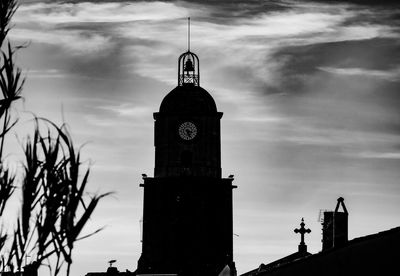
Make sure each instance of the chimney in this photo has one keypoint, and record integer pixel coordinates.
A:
(335, 227)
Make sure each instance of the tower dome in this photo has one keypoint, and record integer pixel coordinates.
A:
(188, 99)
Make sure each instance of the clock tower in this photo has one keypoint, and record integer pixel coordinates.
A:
(187, 208)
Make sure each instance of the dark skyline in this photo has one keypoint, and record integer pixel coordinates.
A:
(309, 92)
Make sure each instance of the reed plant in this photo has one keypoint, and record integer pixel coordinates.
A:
(11, 80)
(55, 206)
(11, 84)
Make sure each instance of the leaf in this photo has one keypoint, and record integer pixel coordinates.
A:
(85, 217)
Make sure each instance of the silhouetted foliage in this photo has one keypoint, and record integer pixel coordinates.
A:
(7, 10)
(11, 81)
(54, 208)
(11, 85)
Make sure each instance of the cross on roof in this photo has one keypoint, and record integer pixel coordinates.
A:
(302, 231)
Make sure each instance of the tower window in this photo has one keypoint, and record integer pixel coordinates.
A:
(186, 158)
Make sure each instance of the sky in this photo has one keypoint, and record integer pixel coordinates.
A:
(309, 91)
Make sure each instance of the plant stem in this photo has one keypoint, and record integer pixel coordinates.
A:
(4, 129)
(70, 262)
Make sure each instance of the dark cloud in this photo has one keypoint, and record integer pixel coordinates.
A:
(385, 15)
(226, 11)
(375, 53)
(302, 61)
(361, 2)
(340, 86)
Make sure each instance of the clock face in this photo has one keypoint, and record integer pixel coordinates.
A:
(187, 131)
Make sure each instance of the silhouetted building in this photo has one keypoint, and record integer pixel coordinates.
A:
(111, 271)
(375, 254)
(301, 253)
(187, 209)
(334, 227)
(28, 270)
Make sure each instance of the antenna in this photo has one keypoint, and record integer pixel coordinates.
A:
(188, 34)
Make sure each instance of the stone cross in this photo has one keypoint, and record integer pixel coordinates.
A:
(302, 231)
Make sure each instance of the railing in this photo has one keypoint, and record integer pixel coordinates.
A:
(193, 79)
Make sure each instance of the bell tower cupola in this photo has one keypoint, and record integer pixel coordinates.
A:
(188, 69)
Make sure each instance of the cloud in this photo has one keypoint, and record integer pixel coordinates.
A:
(96, 30)
(48, 73)
(390, 75)
(77, 42)
(87, 28)
(100, 122)
(128, 110)
(380, 155)
(90, 12)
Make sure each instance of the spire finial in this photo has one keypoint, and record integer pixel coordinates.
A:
(302, 231)
(188, 65)
(188, 34)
